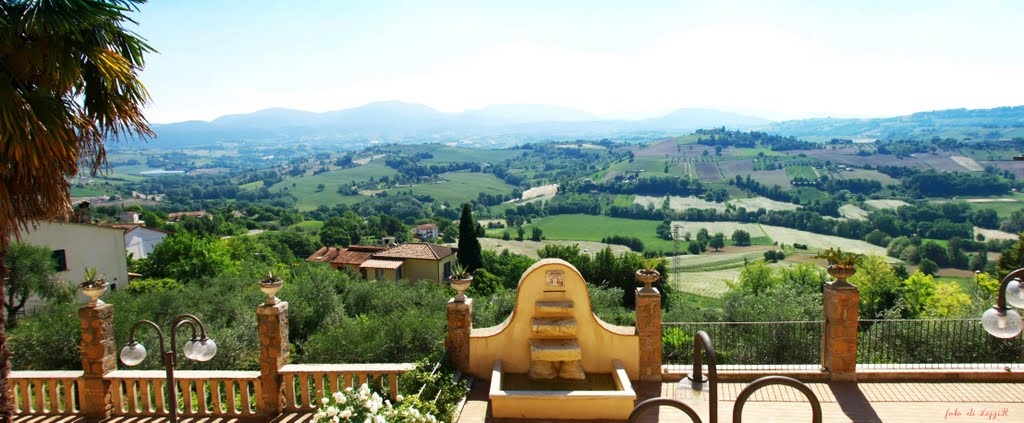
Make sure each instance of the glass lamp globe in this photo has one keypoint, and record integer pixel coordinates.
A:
(190, 349)
(205, 349)
(1015, 293)
(1001, 324)
(133, 354)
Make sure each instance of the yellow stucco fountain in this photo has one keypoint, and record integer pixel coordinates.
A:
(553, 357)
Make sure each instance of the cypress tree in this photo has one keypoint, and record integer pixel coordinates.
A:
(469, 247)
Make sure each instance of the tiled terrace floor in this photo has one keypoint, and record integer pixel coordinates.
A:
(840, 402)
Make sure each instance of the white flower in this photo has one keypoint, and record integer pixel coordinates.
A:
(346, 414)
(332, 411)
(400, 398)
(319, 415)
(348, 390)
(335, 419)
(325, 400)
(338, 396)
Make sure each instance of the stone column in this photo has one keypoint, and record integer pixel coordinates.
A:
(273, 333)
(839, 349)
(648, 325)
(460, 324)
(99, 357)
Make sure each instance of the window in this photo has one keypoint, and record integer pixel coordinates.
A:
(398, 273)
(362, 272)
(378, 274)
(447, 270)
(61, 259)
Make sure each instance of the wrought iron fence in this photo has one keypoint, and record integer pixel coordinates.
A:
(793, 345)
(935, 344)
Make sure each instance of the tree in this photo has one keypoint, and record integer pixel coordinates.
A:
(536, 234)
(741, 237)
(521, 233)
(717, 242)
(186, 258)
(928, 267)
(469, 246)
(879, 286)
(70, 82)
(31, 272)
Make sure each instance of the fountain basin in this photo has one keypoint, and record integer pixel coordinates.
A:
(607, 396)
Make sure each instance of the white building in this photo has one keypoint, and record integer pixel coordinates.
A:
(76, 246)
(139, 240)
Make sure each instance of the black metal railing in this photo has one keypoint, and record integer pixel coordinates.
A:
(793, 345)
(934, 344)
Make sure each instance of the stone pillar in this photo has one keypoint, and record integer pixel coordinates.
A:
(839, 349)
(99, 357)
(648, 325)
(460, 324)
(273, 333)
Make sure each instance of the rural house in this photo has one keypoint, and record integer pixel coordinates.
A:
(426, 231)
(412, 261)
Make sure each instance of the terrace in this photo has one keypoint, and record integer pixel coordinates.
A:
(853, 369)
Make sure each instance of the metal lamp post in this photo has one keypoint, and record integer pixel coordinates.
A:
(1002, 321)
(198, 348)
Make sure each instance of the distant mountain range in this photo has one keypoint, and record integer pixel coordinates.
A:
(394, 121)
(503, 125)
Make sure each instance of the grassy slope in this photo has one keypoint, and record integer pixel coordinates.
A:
(460, 187)
(305, 186)
(594, 228)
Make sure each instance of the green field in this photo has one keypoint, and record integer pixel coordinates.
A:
(806, 172)
(309, 198)
(460, 187)
(1004, 205)
(459, 154)
(585, 227)
(309, 226)
(86, 192)
(624, 200)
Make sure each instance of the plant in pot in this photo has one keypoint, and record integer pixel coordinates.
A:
(93, 286)
(460, 281)
(270, 285)
(649, 274)
(841, 264)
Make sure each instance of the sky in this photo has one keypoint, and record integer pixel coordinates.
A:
(618, 59)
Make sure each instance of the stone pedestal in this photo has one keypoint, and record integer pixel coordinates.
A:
(839, 349)
(99, 357)
(460, 324)
(648, 325)
(273, 333)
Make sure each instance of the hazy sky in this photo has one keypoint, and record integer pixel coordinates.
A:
(774, 59)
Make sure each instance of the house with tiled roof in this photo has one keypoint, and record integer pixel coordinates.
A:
(412, 261)
(426, 231)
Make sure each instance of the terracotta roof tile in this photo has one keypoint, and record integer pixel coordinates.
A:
(417, 251)
(381, 264)
(354, 254)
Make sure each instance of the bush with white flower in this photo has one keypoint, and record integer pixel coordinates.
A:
(364, 406)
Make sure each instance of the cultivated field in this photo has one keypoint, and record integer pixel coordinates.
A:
(872, 175)
(1003, 206)
(460, 187)
(570, 227)
(851, 211)
(731, 168)
(886, 204)
(994, 234)
(779, 234)
(755, 203)
(448, 154)
(541, 191)
(1015, 166)
(530, 248)
(708, 172)
(305, 186)
(772, 177)
(679, 203)
(366, 160)
(968, 163)
(805, 172)
(712, 283)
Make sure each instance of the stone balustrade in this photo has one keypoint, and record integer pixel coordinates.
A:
(305, 384)
(142, 393)
(48, 393)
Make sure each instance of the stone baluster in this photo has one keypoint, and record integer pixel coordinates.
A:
(99, 357)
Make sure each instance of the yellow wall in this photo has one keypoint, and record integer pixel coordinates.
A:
(600, 342)
(417, 269)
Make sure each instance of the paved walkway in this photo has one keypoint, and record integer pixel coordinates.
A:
(840, 402)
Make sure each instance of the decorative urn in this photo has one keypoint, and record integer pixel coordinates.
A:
(270, 286)
(841, 272)
(93, 290)
(647, 277)
(461, 284)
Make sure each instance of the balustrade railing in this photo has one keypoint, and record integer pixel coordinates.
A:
(201, 393)
(935, 344)
(305, 384)
(753, 346)
(45, 392)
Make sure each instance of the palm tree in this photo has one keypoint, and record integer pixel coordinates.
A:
(68, 83)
